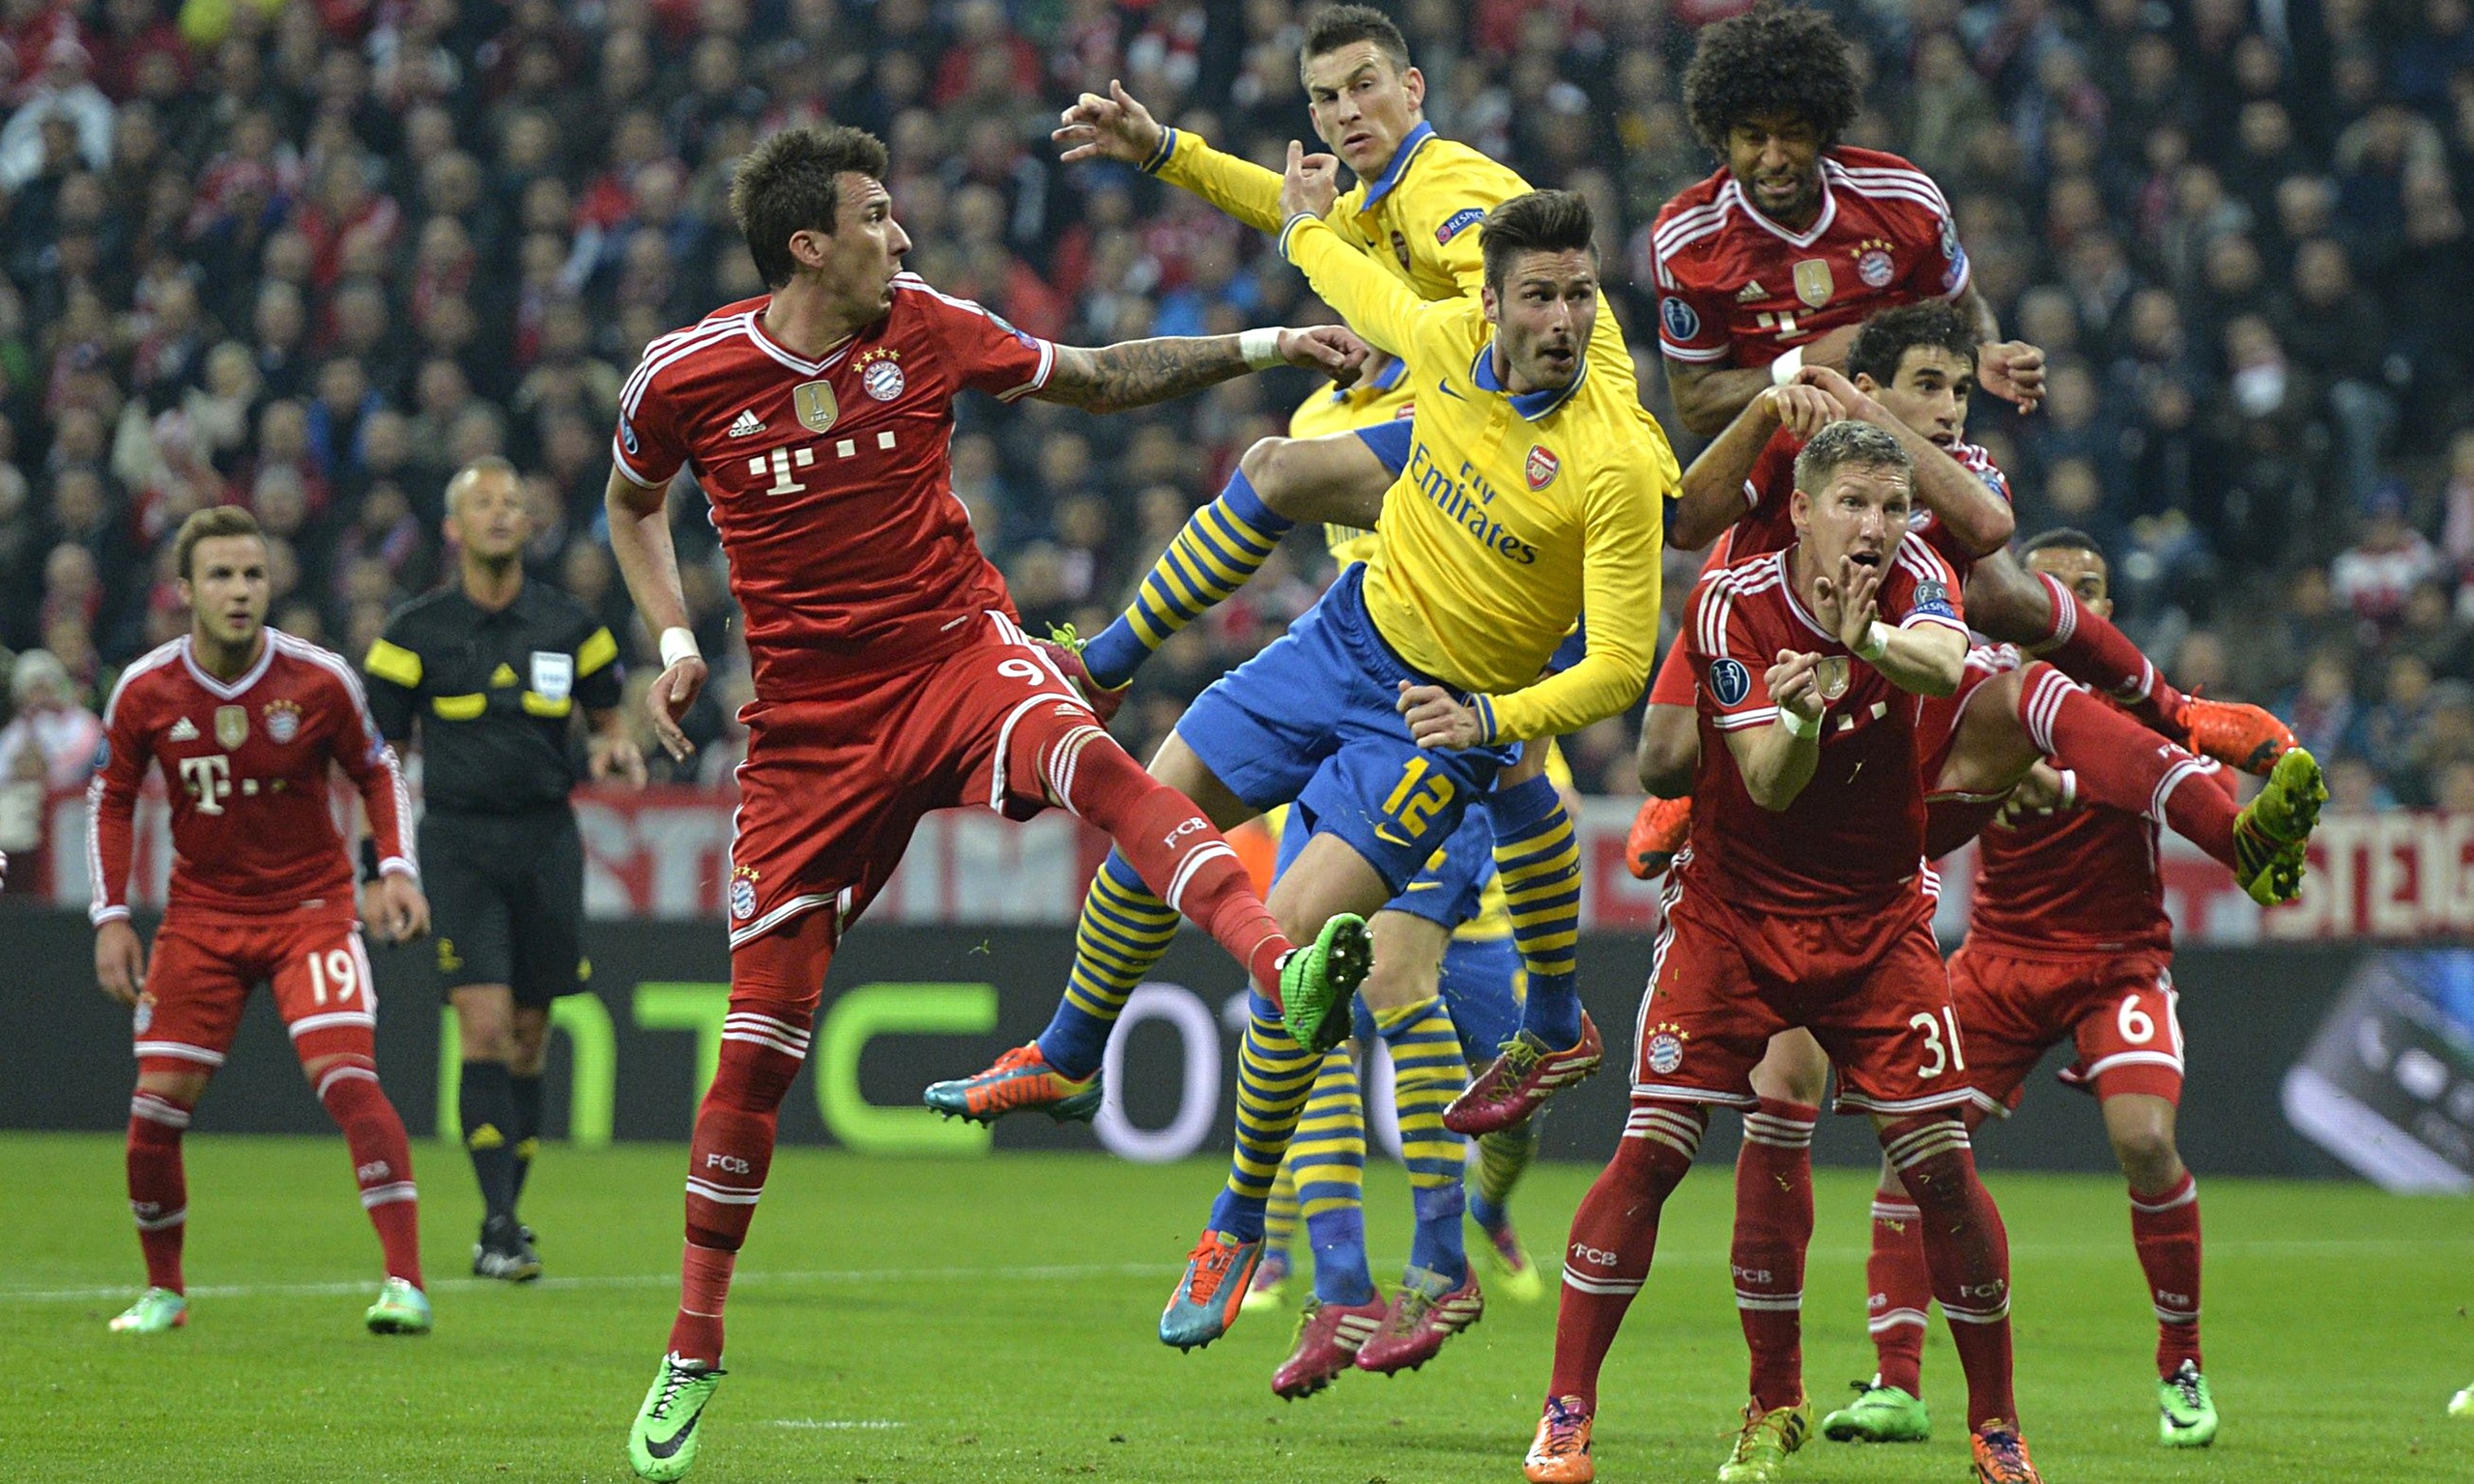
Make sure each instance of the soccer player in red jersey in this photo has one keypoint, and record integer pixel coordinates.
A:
(245, 721)
(891, 675)
(2067, 940)
(1773, 261)
(1803, 902)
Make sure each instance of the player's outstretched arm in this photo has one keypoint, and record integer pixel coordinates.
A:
(1117, 127)
(1979, 518)
(1138, 373)
(649, 562)
(1713, 495)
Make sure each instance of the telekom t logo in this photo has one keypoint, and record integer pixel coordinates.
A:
(209, 781)
(782, 461)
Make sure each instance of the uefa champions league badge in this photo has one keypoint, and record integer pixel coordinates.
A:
(1730, 681)
(1664, 1049)
(880, 373)
(1679, 318)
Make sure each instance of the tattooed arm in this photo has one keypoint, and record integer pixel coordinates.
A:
(1138, 373)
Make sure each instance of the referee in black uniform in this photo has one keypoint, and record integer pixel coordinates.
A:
(494, 669)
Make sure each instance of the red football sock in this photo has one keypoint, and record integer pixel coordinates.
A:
(1965, 1251)
(2166, 1226)
(159, 1192)
(1615, 1234)
(1774, 1226)
(2085, 646)
(703, 1287)
(1168, 843)
(2121, 763)
(381, 1160)
(1898, 1291)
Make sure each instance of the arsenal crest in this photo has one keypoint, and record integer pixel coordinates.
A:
(815, 406)
(231, 726)
(1542, 467)
(284, 719)
(1814, 284)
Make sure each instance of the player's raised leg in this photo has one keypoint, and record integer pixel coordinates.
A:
(1279, 482)
(1539, 862)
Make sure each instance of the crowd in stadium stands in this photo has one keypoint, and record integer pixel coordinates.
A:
(310, 255)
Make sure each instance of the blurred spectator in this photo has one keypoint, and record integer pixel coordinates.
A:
(2376, 573)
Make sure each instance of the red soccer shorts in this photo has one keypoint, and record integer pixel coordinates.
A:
(834, 783)
(2117, 1007)
(204, 967)
(1870, 988)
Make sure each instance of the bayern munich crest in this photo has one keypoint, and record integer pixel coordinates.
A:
(1875, 269)
(1664, 1049)
(742, 898)
(284, 719)
(882, 379)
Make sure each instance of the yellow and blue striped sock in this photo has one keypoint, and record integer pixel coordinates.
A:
(1327, 1156)
(1124, 931)
(1540, 867)
(1502, 1159)
(1223, 544)
(1427, 1072)
(1280, 1214)
(1275, 1075)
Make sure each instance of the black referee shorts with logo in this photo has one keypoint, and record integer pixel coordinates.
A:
(507, 900)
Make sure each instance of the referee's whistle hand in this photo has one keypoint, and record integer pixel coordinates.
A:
(674, 691)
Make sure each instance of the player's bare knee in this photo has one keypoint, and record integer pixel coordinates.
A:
(2143, 1144)
(1271, 469)
(528, 1045)
(484, 1030)
(177, 1086)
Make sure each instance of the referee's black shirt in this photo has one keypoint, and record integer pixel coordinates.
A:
(494, 692)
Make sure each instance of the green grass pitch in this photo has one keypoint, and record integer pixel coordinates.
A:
(902, 1322)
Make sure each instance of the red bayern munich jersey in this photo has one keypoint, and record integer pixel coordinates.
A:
(2075, 882)
(828, 479)
(246, 766)
(1737, 289)
(1768, 524)
(1853, 839)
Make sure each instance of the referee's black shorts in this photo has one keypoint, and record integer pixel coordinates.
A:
(507, 900)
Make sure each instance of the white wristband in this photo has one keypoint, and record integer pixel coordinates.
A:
(1261, 347)
(1783, 370)
(1796, 724)
(678, 644)
(1876, 643)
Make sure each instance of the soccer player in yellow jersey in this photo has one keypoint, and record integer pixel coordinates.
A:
(1415, 213)
(1525, 493)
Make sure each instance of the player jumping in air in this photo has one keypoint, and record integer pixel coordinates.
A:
(1804, 902)
(891, 676)
(1414, 213)
(1772, 264)
(2067, 940)
(245, 721)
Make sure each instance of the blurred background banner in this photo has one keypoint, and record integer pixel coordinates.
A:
(908, 1005)
(2398, 876)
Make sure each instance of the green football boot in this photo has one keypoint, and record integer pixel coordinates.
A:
(156, 1310)
(2273, 831)
(2186, 1411)
(400, 1309)
(1318, 982)
(1760, 1453)
(1879, 1414)
(662, 1445)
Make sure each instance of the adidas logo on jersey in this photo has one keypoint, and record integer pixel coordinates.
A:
(183, 731)
(1751, 293)
(746, 424)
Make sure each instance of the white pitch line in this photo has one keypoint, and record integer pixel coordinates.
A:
(1047, 1274)
(869, 1424)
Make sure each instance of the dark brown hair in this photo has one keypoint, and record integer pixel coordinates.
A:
(1336, 26)
(789, 182)
(1540, 221)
